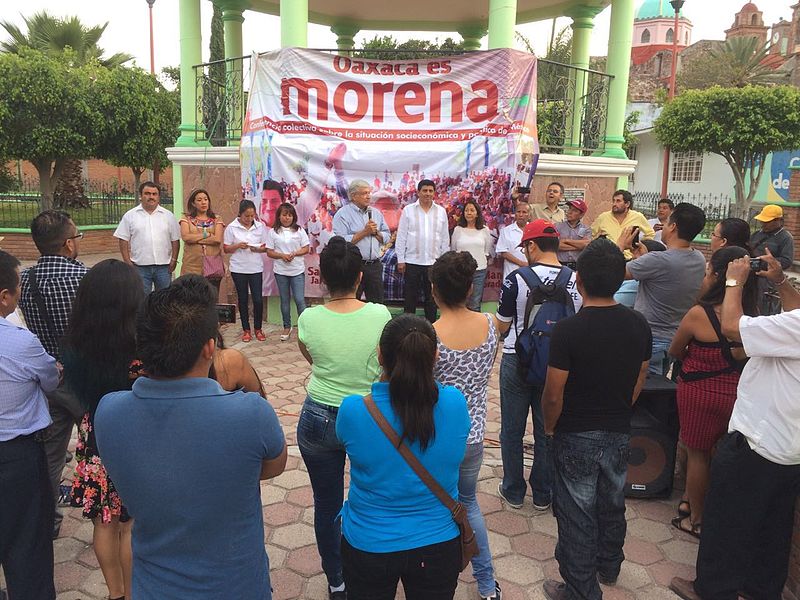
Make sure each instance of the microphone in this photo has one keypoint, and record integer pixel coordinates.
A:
(369, 214)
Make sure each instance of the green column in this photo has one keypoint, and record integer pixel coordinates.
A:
(294, 23)
(232, 19)
(502, 19)
(620, 38)
(472, 35)
(190, 41)
(345, 36)
(177, 204)
(582, 25)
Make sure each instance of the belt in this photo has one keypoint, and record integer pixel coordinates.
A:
(371, 261)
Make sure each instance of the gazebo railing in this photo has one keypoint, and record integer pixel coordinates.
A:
(572, 102)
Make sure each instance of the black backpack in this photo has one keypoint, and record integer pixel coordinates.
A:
(552, 302)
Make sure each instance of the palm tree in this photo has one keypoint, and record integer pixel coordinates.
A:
(54, 36)
(743, 58)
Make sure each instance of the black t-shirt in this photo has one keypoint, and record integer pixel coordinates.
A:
(603, 349)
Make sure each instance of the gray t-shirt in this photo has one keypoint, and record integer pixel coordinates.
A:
(668, 285)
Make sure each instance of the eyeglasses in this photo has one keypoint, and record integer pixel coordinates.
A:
(77, 236)
(714, 235)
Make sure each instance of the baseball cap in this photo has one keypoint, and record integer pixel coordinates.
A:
(540, 228)
(769, 213)
(579, 204)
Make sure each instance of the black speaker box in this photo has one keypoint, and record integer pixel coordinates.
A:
(654, 440)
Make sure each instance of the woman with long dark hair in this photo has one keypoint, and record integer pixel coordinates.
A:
(245, 239)
(201, 232)
(707, 382)
(394, 528)
(471, 235)
(287, 244)
(100, 357)
(467, 348)
(339, 340)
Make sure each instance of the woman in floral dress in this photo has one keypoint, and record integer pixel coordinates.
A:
(99, 357)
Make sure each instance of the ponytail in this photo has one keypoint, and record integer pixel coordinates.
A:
(408, 348)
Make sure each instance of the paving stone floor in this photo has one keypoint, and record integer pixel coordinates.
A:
(522, 541)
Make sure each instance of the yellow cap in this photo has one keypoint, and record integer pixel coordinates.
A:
(769, 213)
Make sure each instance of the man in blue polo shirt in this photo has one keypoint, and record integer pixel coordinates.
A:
(198, 529)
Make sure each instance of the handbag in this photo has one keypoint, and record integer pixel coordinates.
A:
(469, 545)
(213, 266)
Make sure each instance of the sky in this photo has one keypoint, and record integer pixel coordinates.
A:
(128, 29)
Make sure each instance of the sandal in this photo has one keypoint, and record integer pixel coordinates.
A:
(693, 530)
(684, 512)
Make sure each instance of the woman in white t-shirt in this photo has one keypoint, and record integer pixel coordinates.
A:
(287, 244)
(471, 235)
(245, 239)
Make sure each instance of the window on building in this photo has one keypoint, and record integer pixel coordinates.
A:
(670, 35)
(646, 36)
(686, 39)
(687, 167)
(754, 20)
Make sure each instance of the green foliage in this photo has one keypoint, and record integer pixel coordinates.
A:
(8, 181)
(734, 63)
(377, 46)
(143, 120)
(631, 121)
(52, 35)
(743, 125)
(48, 113)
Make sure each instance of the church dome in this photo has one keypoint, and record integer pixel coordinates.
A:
(749, 8)
(655, 9)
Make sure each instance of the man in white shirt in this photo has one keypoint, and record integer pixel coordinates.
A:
(510, 236)
(664, 210)
(422, 237)
(149, 239)
(755, 476)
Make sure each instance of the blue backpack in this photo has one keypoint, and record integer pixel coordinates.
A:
(549, 303)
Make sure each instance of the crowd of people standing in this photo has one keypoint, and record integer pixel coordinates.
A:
(127, 354)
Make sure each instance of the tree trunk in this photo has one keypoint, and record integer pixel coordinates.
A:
(137, 180)
(69, 192)
(43, 167)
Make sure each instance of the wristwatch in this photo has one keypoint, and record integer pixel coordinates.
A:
(732, 283)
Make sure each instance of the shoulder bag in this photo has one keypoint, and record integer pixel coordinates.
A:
(469, 545)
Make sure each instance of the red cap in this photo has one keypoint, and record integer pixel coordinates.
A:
(540, 228)
(579, 204)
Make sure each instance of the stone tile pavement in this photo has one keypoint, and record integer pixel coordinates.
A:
(522, 541)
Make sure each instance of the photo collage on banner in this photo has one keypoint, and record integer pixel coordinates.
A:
(316, 121)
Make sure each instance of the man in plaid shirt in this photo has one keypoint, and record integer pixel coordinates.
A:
(58, 275)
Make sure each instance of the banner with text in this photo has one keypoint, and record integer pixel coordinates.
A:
(317, 121)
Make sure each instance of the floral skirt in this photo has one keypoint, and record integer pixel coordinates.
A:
(92, 490)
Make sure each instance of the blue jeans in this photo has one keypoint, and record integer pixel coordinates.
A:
(474, 300)
(291, 286)
(517, 398)
(660, 360)
(589, 505)
(157, 275)
(324, 457)
(482, 569)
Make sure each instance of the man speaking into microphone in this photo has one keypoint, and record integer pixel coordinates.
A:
(365, 227)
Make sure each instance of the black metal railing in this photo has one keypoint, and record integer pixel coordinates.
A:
(571, 109)
(716, 206)
(102, 204)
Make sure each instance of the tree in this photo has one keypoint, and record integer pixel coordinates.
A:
(58, 38)
(738, 62)
(34, 124)
(743, 125)
(143, 121)
(215, 84)
(410, 49)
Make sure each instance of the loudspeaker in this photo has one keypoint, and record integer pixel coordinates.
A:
(654, 440)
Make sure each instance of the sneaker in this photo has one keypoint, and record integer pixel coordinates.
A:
(247, 336)
(555, 590)
(498, 595)
(542, 507)
(503, 496)
(260, 336)
(64, 494)
(605, 579)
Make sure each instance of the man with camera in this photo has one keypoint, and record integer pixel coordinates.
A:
(775, 237)
(668, 281)
(755, 474)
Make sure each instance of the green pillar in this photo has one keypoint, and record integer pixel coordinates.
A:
(190, 40)
(502, 19)
(345, 36)
(177, 203)
(232, 19)
(582, 25)
(294, 23)
(472, 35)
(620, 38)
